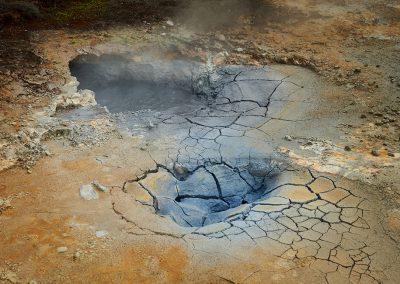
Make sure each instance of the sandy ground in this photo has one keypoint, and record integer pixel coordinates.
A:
(350, 54)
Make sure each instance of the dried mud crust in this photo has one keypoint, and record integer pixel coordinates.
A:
(333, 51)
(305, 216)
(219, 181)
(352, 45)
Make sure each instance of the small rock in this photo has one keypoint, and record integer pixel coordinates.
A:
(99, 186)
(181, 171)
(87, 192)
(150, 125)
(260, 168)
(77, 255)
(363, 116)
(288, 138)
(4, 204)
(9, 275)
(375, 152)
(62, 249)
(221, 37)
(170, 23)
(101, 234)
(347, 148)
(239, 49)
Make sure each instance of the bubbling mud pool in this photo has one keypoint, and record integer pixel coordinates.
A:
(199, 112)
(123, 85)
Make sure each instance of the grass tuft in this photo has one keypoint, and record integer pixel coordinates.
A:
(82, 10)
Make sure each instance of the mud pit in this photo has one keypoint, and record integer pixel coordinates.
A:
(213, 179)
(211, 193)
(215, 169)
(222, 102)
(201, 108)
(274, 174)
(200, 161)
(123, 85)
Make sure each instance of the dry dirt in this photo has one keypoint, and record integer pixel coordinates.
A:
(346, 56)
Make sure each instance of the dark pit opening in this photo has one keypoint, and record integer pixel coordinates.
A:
(211, 193)
(124, 85)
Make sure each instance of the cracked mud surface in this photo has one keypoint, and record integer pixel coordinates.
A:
(303, 217)
(267, 174)
(206, 184)
(221, 179)
(214, 183)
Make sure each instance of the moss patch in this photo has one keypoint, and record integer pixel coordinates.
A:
(78, 10)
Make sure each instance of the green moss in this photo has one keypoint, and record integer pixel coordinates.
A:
(82, 10)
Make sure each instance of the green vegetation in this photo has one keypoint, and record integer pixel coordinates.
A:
(78, 10)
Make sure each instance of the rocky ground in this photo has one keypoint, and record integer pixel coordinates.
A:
(290, 175)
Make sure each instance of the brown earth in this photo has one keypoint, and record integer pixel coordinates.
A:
(352, 45)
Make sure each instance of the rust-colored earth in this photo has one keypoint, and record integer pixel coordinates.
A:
(350, 51)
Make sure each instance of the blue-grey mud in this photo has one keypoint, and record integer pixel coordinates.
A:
(254, 142)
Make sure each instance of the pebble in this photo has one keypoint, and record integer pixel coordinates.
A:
(87, 192)
(4, 204)
(288, 138)
(375, 152)
(181, 170)
(99, 186)
(170, 23)
(221, 37)
(62, 249)
(77, 255)
(101, 234)
(9, 276)
(347, 148)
